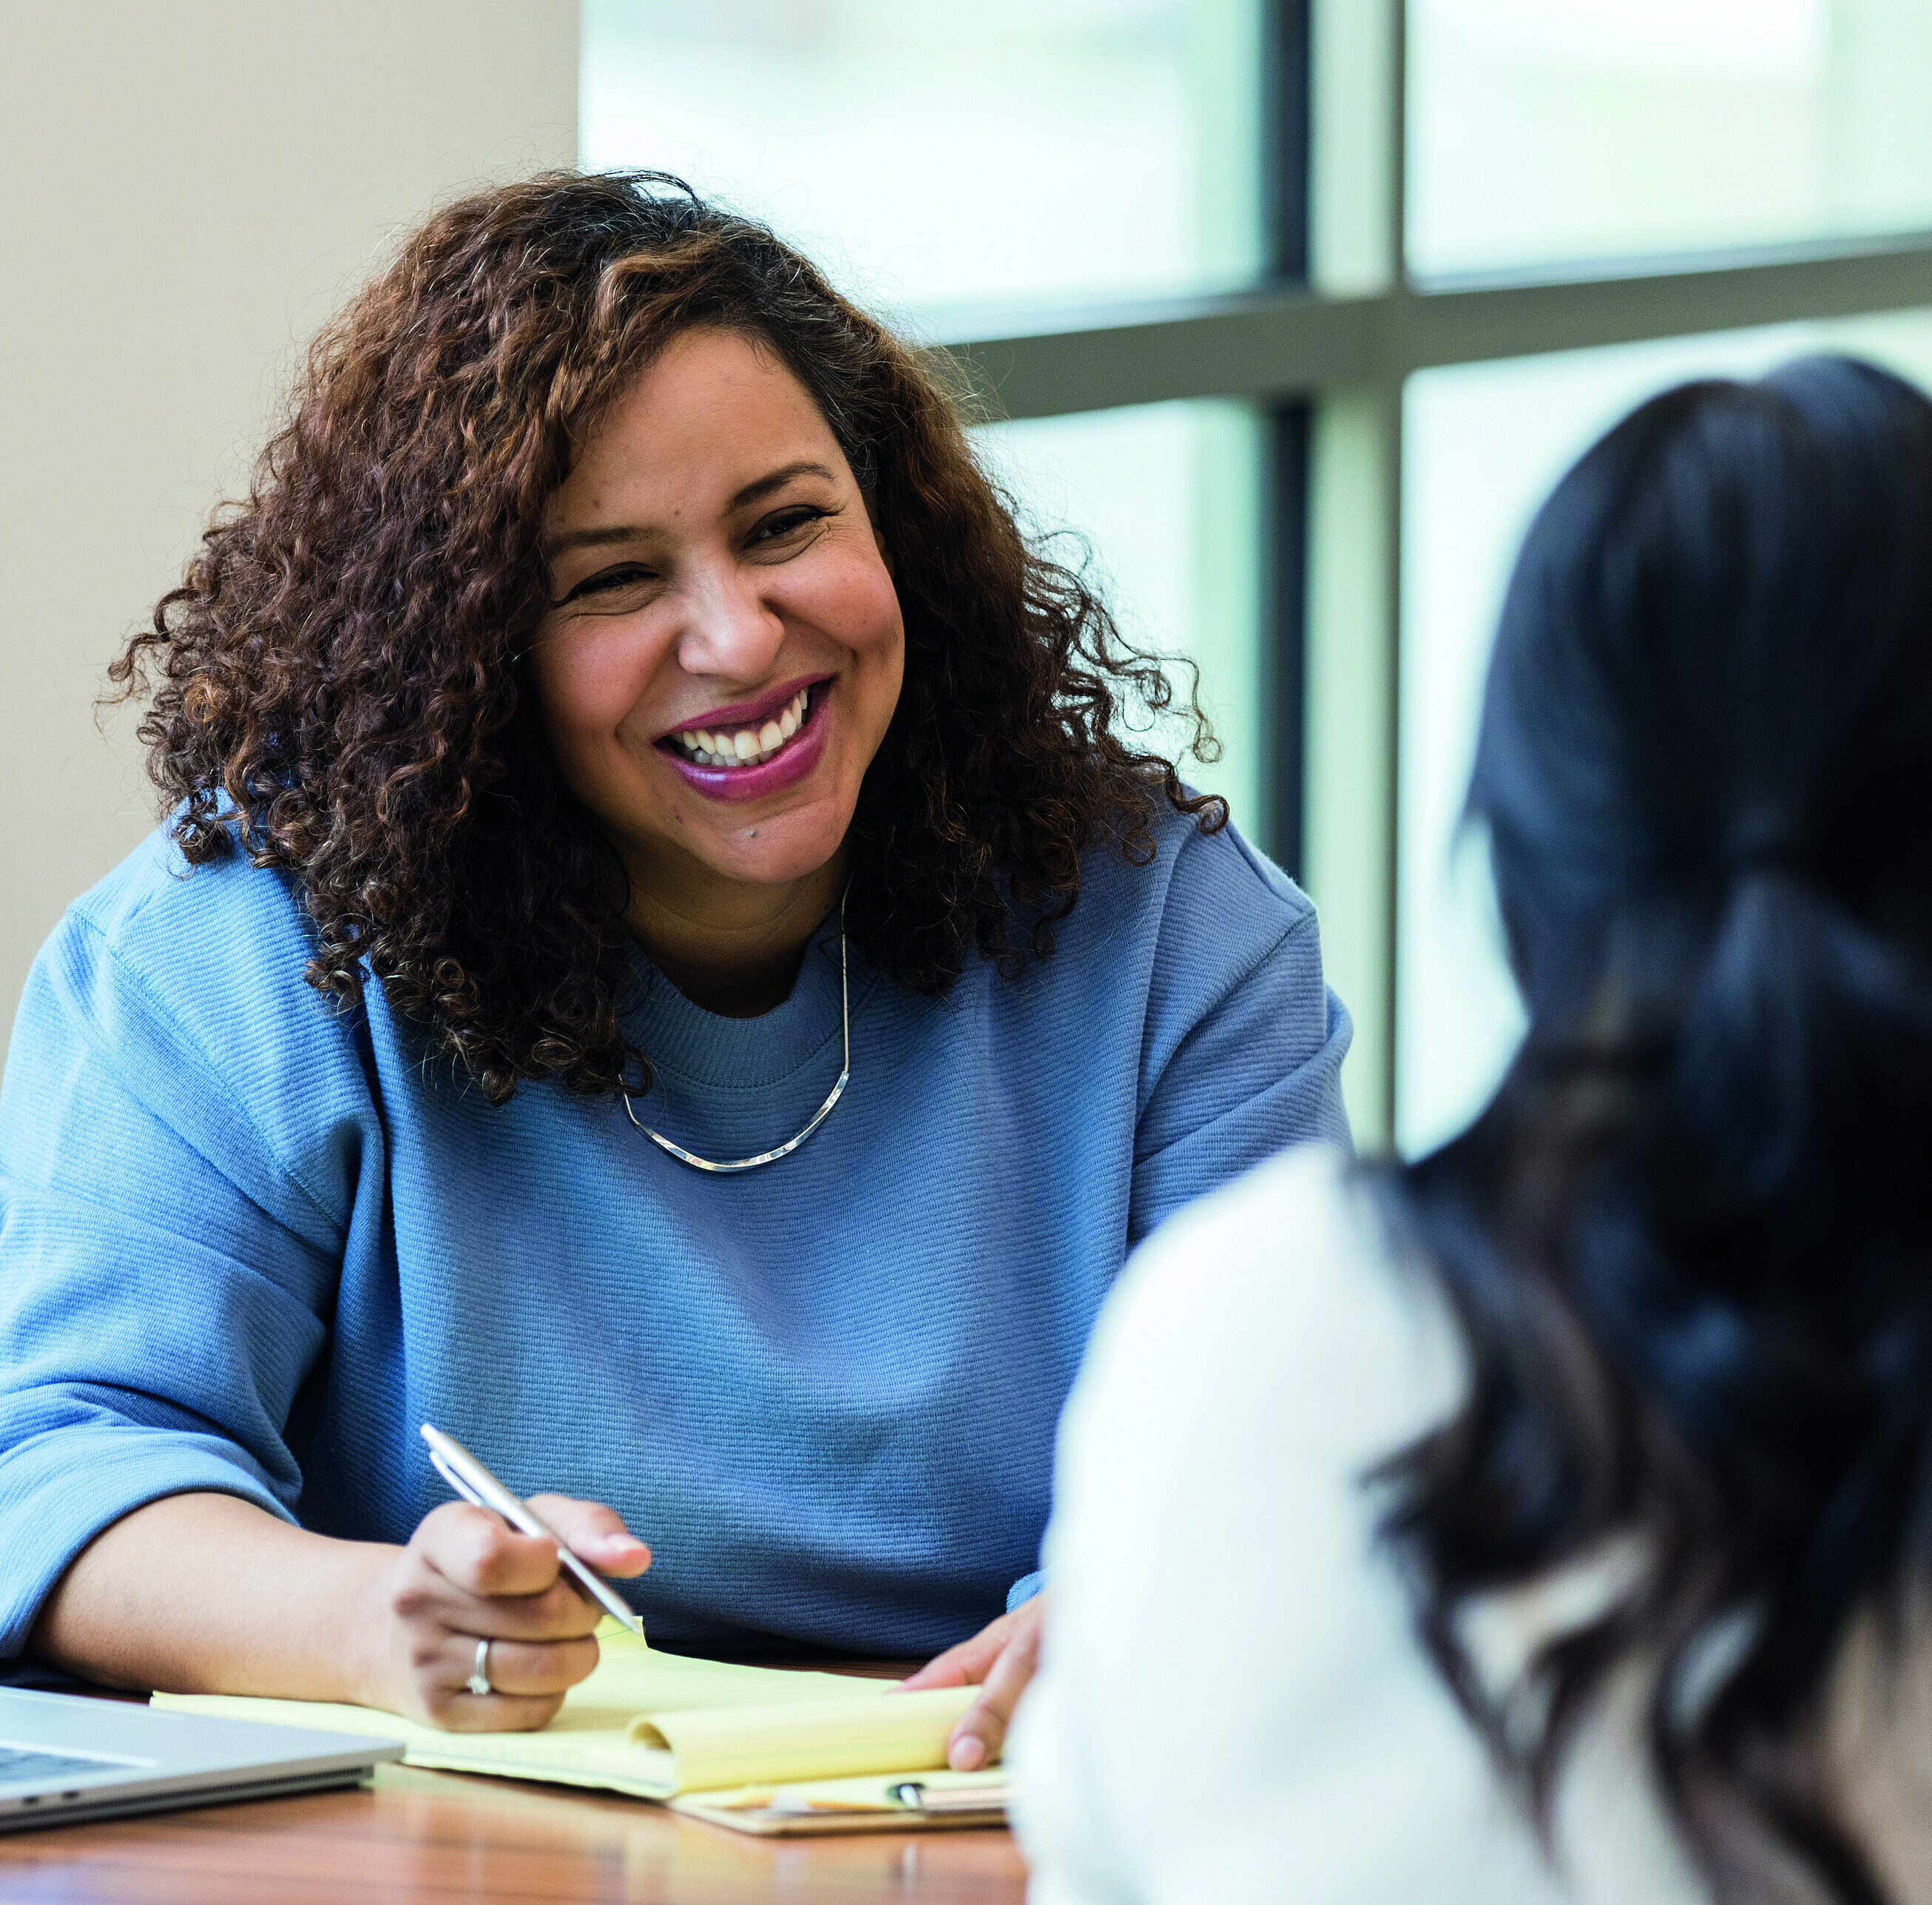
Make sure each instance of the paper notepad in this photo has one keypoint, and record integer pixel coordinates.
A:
(657, 1725)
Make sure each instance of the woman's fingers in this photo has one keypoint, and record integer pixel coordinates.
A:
(458, 1711)
(1000, 1659)
(521, 1667)
(594, 1534)
(476, 1575)
(981, 1730)
(969, 1662)
(527, 1682)
(467, 1576)
(482, 1554)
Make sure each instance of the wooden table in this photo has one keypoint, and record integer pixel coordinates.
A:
(416, 1836)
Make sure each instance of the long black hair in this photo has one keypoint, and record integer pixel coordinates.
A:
(1690, 1240)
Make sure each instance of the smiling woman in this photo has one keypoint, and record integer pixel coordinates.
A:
(624, 700)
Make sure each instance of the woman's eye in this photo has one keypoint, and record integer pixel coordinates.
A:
(626, 577)
(784, 522)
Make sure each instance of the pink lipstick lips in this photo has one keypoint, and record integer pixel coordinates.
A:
(710, 738)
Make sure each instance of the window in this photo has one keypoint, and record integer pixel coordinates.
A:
(1543, 130)
(955, 152)
(1297, 307)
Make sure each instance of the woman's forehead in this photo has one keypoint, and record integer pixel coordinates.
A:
(705, 427)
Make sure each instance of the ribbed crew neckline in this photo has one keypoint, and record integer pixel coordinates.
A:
(684, 1040)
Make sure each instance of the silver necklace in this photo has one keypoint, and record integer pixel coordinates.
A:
(818, 1117)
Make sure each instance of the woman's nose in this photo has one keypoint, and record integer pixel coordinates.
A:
(729, 628)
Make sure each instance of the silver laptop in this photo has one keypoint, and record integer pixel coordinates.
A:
(64, 1759)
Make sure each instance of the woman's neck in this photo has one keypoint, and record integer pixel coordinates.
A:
(733, 948)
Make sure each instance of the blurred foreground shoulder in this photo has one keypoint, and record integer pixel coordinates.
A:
(1232, 1705)
(1277, 1294)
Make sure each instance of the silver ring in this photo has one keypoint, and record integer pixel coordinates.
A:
(479, 1675)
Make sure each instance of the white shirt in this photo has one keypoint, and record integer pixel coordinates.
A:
(1232, 1703)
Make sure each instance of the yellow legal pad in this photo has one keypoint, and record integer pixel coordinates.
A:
(766, 1749)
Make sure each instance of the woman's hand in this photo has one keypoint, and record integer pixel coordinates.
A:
(1000, 1659)
(467, 1576)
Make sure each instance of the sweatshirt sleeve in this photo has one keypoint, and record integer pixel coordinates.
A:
(164, 1278)
(1243, 1051)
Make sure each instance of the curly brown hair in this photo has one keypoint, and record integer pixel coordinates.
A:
(341, 693)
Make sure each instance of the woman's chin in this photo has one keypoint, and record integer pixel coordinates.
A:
(777, 849)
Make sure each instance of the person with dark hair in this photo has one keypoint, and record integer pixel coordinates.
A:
(662, 960)
(1570, 1484)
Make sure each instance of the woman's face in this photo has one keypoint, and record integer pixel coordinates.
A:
(724, 648)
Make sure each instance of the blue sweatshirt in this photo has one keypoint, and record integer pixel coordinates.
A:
(248, 1244)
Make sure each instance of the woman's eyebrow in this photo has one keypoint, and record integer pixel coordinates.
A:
(777, 480)
(590, 539)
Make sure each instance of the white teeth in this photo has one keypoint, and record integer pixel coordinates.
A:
(746, 747)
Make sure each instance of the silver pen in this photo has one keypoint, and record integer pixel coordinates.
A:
(477, 1486)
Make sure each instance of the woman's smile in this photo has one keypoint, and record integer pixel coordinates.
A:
(756, 749)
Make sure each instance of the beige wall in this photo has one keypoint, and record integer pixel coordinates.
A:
(189, 186)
